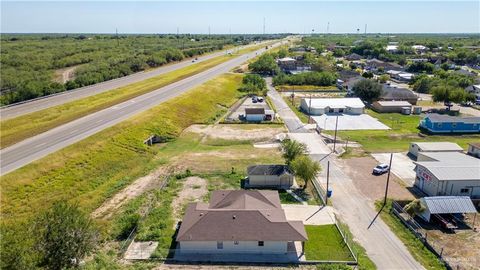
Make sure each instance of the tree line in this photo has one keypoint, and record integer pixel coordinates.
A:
(29, 62)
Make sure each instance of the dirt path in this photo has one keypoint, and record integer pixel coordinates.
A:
(194, 189)
(236, 132)
(138, 187)
(65, 74)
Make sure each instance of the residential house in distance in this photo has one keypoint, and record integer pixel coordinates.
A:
(269, 176)
(375, 64)
(448, 174)
(287, 63)
(391, 93)
(353, 57)
(419, 48)
(439, 123)
(392, 47)
(400, 76)
(403, 107)
(474, 149)
(474, 89)
(432, 147)
(238, 222)
(319, 106)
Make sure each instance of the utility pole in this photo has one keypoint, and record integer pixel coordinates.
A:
(365, 29)
(388, 179)
(328, 27)
(209, 31)
(328, 177)
(335, 138)
(264, 25)
(116, 35)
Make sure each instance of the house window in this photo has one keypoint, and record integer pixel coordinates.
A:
(439, 124)
(454, 125)
(261, 243)
(219, 245)
(340, 110)
(464, 190)
(235, 243)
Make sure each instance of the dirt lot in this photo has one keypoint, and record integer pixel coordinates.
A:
(373, 187)
(460, 248)
(138, 187)
(193, 190)
(237, 132)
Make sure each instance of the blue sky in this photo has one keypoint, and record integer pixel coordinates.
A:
(240, 17)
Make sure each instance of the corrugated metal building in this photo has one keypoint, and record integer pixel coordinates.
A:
(448, 174)
(418, 147)
(446, 205)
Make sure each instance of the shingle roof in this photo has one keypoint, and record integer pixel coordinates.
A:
(448, 204)
(451, 166)
(435, 117)
(268, 170)
(240, 215)
(254, 110)
(393, 93)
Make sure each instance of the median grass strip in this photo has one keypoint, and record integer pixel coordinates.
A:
(94, 169)
(413, 244)
(17, 129)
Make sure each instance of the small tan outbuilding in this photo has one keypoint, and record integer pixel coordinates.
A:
(278, 176)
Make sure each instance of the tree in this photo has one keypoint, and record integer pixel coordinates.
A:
(64, 236)
(367, 90)
(368, 75)
(292, 149)
(414, 207)
(383, 78)
(305, 168)
(424, 84)
(264, 65)
(448, 93)
(322, 64)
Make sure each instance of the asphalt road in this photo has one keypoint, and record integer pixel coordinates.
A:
(67, 96)
(36, 147)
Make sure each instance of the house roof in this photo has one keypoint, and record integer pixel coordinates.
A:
(388, 103)
(268, 170)
(354, 56)
(448, 204)
(335, 103)
(444, 118)
(438, 146)
(393, 93)
(240, 215)
(451, 166)
(254, 110)
(286, 59)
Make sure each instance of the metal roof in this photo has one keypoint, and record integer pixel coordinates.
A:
(448, 204)
(393, 103)
(451, 166)
(443, 118)
(438, 146)
(334, 102)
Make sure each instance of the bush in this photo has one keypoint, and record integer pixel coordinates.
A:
(324, 78)
(367, 90)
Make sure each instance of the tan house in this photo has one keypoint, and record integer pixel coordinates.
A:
(278, 176)
(238, 222)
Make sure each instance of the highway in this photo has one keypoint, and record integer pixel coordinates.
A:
(36, 147)
(19, 109)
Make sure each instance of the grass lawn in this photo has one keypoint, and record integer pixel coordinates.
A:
(306, 88)
(286, 198)
(325, 243)
(403, 131)
(94, 169)
(413, 244)
(295, 107)
(17, 129)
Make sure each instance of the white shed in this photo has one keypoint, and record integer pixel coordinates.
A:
(474, 149)
(319, 106)
(254, 114)
(417, 147)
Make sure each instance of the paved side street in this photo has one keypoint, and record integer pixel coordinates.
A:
(357, 211)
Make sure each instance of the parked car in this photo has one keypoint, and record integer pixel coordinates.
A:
(380, 169)
(260, 99)
(254, 99)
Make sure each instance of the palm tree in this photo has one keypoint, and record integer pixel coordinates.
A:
(292, 149)
(305, 168)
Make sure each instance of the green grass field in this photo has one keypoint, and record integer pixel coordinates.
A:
(325, 243)
(17, 129)
(403, 131)
(94, 169)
